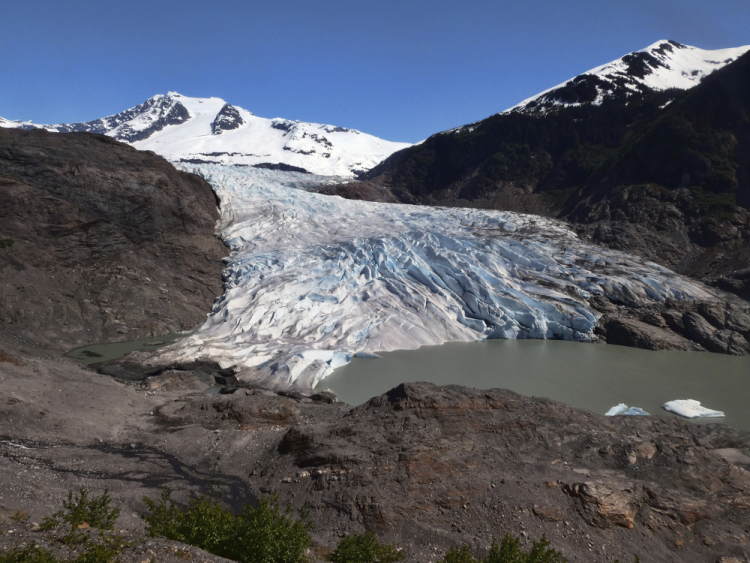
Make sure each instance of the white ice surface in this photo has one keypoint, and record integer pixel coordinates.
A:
(313, 279)
(623, 410)
(691, 409)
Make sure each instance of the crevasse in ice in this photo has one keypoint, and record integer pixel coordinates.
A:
(312, 279)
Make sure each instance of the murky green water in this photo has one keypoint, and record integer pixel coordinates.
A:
(95, 353)
(590, 376)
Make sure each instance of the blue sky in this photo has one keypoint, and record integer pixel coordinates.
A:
(400, 70)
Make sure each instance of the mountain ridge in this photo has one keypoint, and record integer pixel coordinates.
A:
(663, 65)
(212, 131)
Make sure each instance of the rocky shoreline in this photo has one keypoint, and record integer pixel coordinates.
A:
(427, 467)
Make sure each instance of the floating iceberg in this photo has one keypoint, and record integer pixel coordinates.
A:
(623, 410)
(691, 409)
(313, 279)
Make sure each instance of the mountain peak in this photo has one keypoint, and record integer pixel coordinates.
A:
(212, 131)
(663, 65)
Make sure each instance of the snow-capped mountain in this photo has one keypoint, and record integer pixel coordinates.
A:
(661, 66)
(209, 130)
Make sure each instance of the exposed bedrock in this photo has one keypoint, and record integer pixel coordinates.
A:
(430, 466)
(715, 326)
(101, 242)
(425, 466)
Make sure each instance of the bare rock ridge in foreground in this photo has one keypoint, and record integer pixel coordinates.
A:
(101, 242)
(425, 466)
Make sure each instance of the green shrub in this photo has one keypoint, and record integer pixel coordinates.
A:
(6, 242)
(456, 555)
(80, 512)
(29, 554)
(263, 534)
(106, 550)
(509, 551)
(365, 548)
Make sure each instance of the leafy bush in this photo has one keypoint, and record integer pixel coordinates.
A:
(456, 555)
(266, 533)
(80, 512)
(105, 551)
(95, 512)
(29, 554)
(6, 242)
(509, 551)
(365, 548)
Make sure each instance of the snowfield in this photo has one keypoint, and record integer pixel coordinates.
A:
(312, 279)
(209, 130)
(660, 66)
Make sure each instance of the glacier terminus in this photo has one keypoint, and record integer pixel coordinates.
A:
(314, 279)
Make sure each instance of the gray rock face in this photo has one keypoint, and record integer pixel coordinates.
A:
(160, 111)
(721, 327)
(425, 466)
(227, 119)
(103, 242)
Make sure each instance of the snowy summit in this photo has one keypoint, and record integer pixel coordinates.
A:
(661, 66)
(211, 131)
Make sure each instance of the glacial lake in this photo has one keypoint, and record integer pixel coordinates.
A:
(594, 377)
(95, 353)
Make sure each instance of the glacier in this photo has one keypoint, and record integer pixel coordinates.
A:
(312, 280)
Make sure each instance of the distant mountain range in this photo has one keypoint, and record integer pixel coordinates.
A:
(209, 130)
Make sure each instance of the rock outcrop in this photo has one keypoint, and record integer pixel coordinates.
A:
(427, 467)
(679, 325)
(101, 242)
(430, 466)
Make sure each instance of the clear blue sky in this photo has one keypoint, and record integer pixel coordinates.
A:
(398, 69)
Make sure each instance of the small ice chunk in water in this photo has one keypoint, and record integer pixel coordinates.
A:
(690, 408)
(617, 409)
(635, 411)
(623, 410)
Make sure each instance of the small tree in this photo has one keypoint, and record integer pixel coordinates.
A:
(266, 533)
(509, 551)
(365, 548)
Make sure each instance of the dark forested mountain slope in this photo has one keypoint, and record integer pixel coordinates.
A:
(660, 173)
(679, 185)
